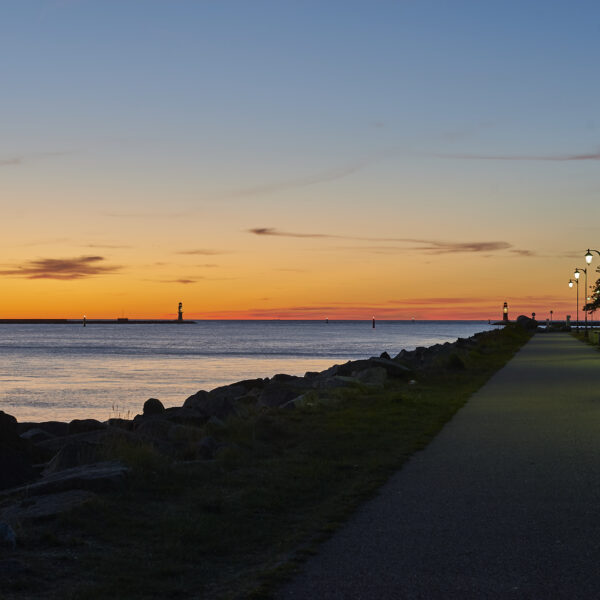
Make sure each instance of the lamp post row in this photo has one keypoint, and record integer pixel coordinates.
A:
(588, 259)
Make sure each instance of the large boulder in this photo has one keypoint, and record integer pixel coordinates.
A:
(54, 428)
(153, 406)
(372, 376)
(73, 454)
(526, 322)
(219, 402)
(16, 465)
(97, 477)
(152, 429)
(185, 416)
(9, 433)
(36, 435)
(85, 426)
(353, 367)
(277, 393)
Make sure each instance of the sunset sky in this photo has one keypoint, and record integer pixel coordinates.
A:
(297, 159)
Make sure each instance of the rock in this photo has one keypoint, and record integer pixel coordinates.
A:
(43, 507)
(216, 423)
(185, 416)
(251, 384)
(331, 383)
(97, 477)
(107, 434)
(311, 374)
(228, 392)
(526, 322)
(276, 394)
(218, 402)
(385, 355)
(35, 434)
(284, 378)
(16, 454)
(8, 537)
(73, 454)
(373, 376)
(152, 428)
(55, 428)
(8, 428)
(125, 424)
(84, 426)
(302, 400)
(153, 406)
(183, 433)
(352, 367)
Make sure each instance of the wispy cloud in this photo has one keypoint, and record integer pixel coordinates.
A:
(17, 160)
(440, 247)
(107, 246)
(61, 268)
(148, 214)
(430, 301)
(201, 252)
(421, 245)
(182, 281)
(299, 182)
(9, 162)
(276, 232)
(524, 157)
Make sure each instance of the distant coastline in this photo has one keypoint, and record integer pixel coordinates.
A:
(120, 321)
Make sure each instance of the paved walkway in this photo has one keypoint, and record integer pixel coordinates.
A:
(504, 503)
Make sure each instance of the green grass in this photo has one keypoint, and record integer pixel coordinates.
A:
(235, 526)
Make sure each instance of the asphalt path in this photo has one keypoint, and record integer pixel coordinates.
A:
(503, 503)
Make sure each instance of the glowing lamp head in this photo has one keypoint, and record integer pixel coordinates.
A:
(577, 273)
(570, 283)
(588, 257)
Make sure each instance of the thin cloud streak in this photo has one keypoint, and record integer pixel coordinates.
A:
(107, 246)
(147, 215)
(427, 246)
(523, 157)
(300, 182)
(61, 268)
(430, 301)
(201, 252)
(15, 161)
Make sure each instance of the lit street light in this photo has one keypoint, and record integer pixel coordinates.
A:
(577, 309)
(577, 273)
(589, 256)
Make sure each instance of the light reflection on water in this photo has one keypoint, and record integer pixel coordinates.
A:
(62, 372)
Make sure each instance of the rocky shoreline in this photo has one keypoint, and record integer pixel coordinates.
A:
(49, 468)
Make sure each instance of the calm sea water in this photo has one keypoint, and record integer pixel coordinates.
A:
(63, 372)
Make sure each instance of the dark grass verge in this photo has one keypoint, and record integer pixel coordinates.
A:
(237, 526)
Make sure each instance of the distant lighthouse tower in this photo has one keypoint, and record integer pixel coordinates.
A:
(505, 312)
(180, 312)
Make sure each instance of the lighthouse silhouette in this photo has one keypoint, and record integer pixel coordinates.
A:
(505, 312)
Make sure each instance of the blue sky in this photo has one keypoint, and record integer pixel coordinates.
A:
(461, 121)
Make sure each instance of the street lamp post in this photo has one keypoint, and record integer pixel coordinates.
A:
(577, 273)
(577, 306)
(589, 255)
